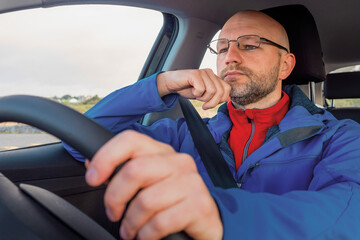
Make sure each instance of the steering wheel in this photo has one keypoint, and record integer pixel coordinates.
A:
(31, 212)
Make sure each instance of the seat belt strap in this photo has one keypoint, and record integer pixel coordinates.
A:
(209, 151)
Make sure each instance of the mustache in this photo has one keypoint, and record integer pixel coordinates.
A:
(246, 71)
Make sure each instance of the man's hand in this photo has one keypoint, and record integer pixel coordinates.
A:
(169, 194)
(202, 85)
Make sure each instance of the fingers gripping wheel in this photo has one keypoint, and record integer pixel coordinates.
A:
(30, 212)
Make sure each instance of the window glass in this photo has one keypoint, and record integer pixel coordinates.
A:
(72, 54)
(355, 102)
(209, 61)
(355, 68)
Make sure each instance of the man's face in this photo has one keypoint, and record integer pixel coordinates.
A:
(252, 74)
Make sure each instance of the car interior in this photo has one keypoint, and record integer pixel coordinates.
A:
(323, 36)
(336, 86)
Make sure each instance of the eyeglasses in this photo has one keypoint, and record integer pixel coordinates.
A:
(246, 42)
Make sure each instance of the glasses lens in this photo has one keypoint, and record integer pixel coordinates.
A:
(248, 42)
(219, 46)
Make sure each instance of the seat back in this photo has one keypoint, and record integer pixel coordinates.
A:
(304, 42)
(343, 86)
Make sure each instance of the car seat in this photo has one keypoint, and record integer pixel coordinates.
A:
(304, 42)
(343, 86)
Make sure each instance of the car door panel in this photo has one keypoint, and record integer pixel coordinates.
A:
(52, 168)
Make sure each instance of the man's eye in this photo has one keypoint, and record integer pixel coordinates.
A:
(222, 50)
(249, 47)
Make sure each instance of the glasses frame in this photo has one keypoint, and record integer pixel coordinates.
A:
(262, 40)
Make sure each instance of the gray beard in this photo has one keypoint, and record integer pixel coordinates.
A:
(258, 87)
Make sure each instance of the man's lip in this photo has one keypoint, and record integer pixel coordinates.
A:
(232, 74)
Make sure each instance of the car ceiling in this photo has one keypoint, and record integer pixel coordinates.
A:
(337, 21)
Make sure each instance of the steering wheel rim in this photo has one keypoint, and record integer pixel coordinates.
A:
(56, 119)
(75, 129)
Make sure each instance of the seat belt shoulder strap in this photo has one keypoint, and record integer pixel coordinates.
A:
(209, 151)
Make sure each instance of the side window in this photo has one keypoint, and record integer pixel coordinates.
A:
(73, 54)
(355, 102)
(209, 61)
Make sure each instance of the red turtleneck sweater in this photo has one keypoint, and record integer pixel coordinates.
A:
(251, 125)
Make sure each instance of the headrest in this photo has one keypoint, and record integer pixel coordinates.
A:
(342, 85)
(304, 43)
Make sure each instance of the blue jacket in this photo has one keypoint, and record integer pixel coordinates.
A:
(302, 183)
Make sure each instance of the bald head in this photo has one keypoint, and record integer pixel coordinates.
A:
(250, 22)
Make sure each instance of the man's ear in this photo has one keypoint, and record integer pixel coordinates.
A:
(287, 64)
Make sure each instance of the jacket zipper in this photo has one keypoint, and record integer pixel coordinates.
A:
(250, 166)
(245, 153)
(246, 148)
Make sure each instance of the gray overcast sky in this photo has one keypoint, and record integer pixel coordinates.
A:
(76, 50)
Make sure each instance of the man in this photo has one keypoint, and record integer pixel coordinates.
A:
(296, 165)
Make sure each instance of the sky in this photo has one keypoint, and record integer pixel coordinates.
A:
(76, 50)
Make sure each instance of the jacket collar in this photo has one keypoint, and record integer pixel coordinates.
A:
(298, 98)
(302, 121)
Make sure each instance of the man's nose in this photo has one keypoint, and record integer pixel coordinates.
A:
(234, 54)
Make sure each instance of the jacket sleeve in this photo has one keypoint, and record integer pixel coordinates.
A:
(329, 209)
(123, 108)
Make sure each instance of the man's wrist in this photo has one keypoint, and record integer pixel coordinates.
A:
(161, 84)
